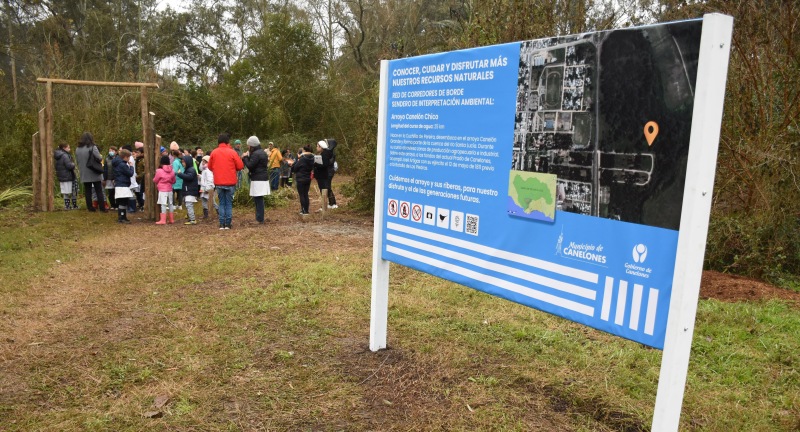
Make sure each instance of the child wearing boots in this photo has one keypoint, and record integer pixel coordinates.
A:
(108, 176)
(123, 170)
(65, 171)
(206, 186)
(164, 180)
(191, 187)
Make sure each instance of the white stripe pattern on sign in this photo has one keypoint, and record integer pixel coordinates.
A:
(510, 256)
(650, 317)
(622, 300)
(510, 286)
(609, 289)
(488, 265)
(636, 307)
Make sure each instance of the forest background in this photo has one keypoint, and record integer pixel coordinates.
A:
(296, 71)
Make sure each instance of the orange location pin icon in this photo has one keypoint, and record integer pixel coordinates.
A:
(650, 132)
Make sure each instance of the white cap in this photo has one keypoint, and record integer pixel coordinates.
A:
(323, 144)
(253, 141)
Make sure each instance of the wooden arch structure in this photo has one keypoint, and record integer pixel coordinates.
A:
(43, 164)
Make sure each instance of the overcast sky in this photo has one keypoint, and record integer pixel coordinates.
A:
(174, 4)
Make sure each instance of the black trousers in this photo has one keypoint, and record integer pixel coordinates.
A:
(122, 208)
(326, 184)
(331, 196)
(98, 189)
(302, 190)
(259, 201)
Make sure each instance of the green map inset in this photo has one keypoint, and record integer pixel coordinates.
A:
(532, 195)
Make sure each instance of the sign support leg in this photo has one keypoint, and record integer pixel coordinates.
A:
(379, 308)
(703, 146)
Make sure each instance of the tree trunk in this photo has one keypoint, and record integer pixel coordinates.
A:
(11, 56)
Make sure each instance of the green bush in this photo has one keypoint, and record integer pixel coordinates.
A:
(16, 130)
(756, 245)
(14, 195)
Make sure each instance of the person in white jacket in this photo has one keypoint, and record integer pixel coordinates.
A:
(207, 187)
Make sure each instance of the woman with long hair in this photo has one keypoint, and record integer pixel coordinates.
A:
(92, 180)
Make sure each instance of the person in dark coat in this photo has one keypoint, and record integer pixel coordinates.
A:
(108, 176)
(332, 166)
(92, 181)
(65, 172)
(191, 187)
(302, 169)
(322, 165)
(257, 163)
(123, 170)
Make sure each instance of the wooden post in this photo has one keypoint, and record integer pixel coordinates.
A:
(41, 205)
(37, 160)
(148, 204)
(48, 153)
(40, 184)
(150, 161)
(145, 113)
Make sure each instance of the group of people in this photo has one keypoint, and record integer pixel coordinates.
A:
(185, 177)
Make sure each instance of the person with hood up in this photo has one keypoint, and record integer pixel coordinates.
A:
(65, 172)
(164, 179)
(123, 171)
(173, 146)
(257, 163)
(302, 169)
(191, 187)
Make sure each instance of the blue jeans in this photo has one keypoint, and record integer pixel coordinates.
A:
(225, 194)
(274, 177)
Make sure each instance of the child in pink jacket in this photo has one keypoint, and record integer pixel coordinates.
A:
(164, 179)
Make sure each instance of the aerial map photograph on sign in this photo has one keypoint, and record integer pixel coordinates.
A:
(547, 172)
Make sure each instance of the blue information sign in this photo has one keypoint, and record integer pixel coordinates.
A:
(547, 172)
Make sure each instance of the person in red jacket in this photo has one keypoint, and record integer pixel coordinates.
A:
(225, 163)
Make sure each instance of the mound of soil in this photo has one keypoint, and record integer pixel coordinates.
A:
(732, 288)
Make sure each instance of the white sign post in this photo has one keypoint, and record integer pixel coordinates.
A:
(712, 72)
(379, 308)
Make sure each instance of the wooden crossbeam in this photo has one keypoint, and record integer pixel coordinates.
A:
(95, 83)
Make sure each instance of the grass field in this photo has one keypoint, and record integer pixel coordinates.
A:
(266, 328)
